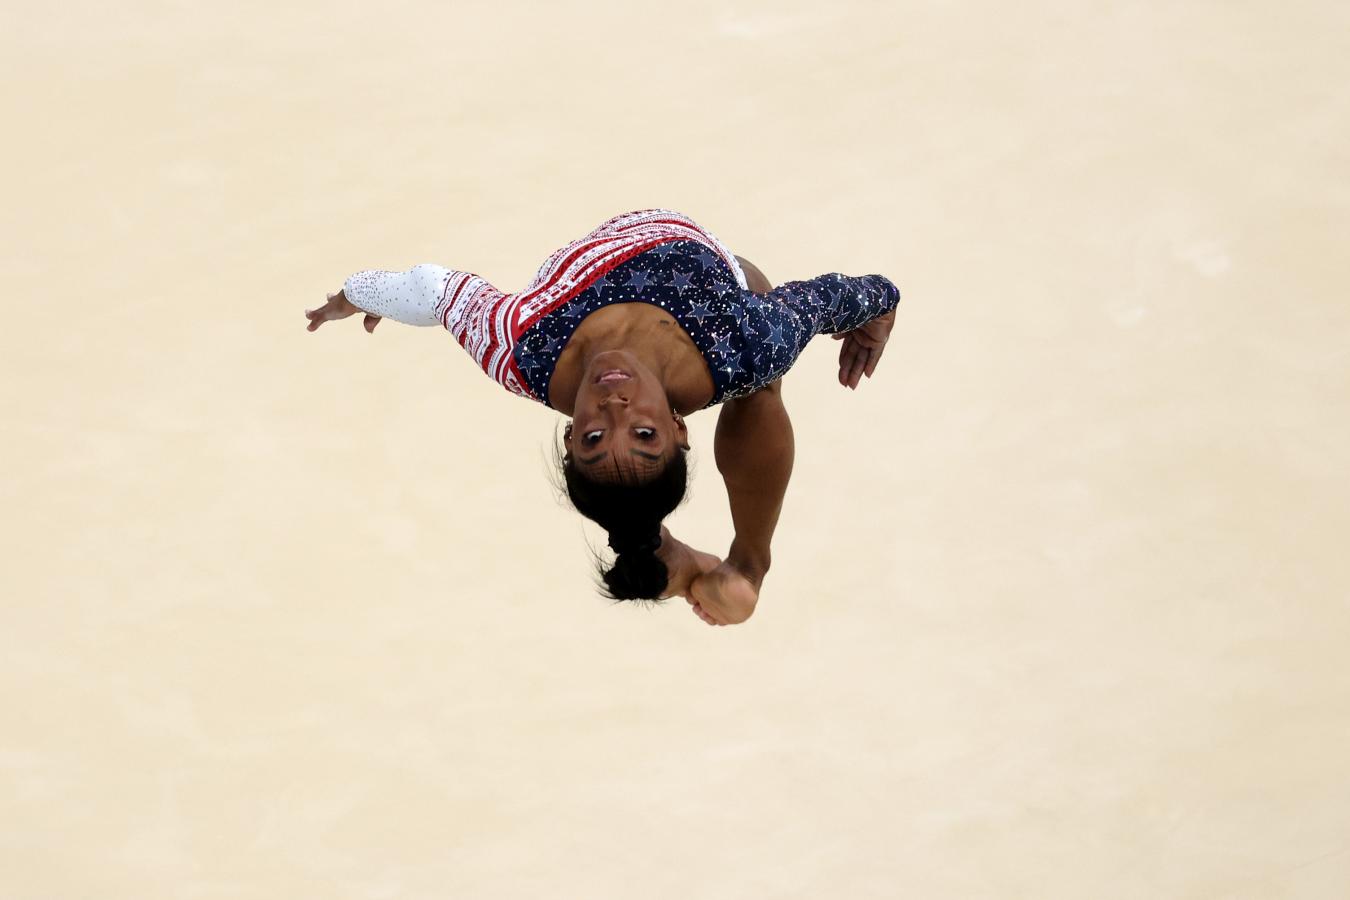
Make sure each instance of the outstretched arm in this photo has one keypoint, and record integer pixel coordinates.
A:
(420, 296)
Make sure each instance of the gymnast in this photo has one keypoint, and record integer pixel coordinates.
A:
(643, 321)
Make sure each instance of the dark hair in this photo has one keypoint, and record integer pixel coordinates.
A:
(631, 511)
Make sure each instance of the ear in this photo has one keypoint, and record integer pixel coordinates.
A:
(681, 432)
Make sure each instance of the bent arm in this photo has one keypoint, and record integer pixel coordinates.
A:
(754, 451)
(835, 303)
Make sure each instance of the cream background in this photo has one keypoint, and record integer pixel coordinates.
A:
(1059, 607)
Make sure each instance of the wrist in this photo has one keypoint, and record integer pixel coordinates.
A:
(752, 562)
(346, 304)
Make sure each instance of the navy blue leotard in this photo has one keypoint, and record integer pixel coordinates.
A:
(748, 340)
(655, 256)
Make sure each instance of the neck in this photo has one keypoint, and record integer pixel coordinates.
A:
(649, 336)
(652, 358)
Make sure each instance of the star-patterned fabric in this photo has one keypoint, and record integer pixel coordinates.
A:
(655, 256)
(488, 323)
(748, 340)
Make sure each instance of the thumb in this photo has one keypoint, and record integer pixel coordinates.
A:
(371, 322)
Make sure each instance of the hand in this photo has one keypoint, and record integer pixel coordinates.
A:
(337, 307)
(717, 591)
(723, 596)
(862, 349)
(683, 564)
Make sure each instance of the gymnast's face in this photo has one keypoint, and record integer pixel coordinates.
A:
(622, 426)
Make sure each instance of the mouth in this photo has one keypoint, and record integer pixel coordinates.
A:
(612, 375)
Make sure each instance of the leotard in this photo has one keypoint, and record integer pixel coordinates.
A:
(658, 257)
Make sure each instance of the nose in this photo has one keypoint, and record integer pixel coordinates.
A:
(617, 398)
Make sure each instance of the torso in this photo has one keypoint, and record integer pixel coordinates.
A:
(657, 278)
(669, 304)
(709, 338)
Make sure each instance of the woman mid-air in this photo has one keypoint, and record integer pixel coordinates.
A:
(645, 320)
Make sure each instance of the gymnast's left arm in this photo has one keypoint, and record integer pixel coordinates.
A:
(858, 310)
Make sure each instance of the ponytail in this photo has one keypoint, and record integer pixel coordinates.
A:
(631, 512)
(638, 573)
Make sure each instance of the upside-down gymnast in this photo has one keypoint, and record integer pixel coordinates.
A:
(645, 320)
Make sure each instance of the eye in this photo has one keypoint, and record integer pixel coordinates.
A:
(645, 434)
(591, 437)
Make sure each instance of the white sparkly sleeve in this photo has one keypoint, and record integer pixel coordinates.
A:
(413, 297)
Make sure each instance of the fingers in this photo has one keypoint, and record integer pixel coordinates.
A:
(703, 613)
(858, 359)
(855, 373)
(700, 611)
(851, 369)
(872, 359)
(852, 361)
(319, 315)
(337, 308)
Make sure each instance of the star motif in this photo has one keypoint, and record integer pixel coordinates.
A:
(680, 281)
(638, 279)
(552, 346)
(722, 346)
(699, 312)
(574, 310)
(706, 259)
(776, 335)
(664, 250)
(733, 367)
(599, 285)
